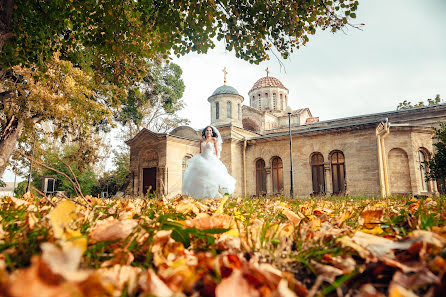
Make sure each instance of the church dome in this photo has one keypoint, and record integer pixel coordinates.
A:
(225, 90)
(266, 82)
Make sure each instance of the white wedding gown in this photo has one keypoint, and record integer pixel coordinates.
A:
(206, 176)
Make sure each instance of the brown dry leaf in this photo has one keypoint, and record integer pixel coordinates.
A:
(153, 285)
(346, 263)
(235, 285)
(112, 229)
(368, 290)
(32, 220)
(429, 237)
(283, 290)
(371, 217)
(413, 281)
(379, 246)
(63, 262)
(291, 215)
(121, 277)
(328, 273)
(39, 280)
(204, 221)
(187, 206)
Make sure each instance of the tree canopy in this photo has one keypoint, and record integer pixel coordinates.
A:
(408, 105)
(98, 50)
(118, 33)
(437, 164)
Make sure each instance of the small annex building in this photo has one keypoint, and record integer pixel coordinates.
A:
(377, 154)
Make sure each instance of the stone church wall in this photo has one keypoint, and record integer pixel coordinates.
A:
(177, 150)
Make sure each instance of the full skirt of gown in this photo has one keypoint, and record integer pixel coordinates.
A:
(206, 176)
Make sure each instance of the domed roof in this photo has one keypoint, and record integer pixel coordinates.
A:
(225, 90)
(267, 81)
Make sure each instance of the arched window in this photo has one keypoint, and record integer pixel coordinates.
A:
(338, 172)
(277, 173)
(228, 109)
(238, 111)
(260, 177)
(421, 159)
(274, 103)
(217, 110)
(184, 166)
(260, 102)
(317, 173)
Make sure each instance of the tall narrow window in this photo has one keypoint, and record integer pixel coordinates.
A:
(317, 174)
(260, 177)
(217, 110)
(260, 102)
(228, 109)
(338, 172)
(421, 158)
(238, 111)
(277, 173)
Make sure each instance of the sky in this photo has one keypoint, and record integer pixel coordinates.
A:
(400, 54)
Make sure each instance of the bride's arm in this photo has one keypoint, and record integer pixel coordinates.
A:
(201, 140)
(216, 147)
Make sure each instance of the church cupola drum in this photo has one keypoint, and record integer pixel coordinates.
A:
(226, 105)
(268, 93)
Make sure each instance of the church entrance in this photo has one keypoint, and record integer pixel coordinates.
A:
(148, 180)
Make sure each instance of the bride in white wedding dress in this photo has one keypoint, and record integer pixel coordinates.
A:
(206, 176)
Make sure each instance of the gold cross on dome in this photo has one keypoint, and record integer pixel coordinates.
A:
(267, 71)
(225, 72)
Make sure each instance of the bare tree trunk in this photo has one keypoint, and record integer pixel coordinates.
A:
(6, 10)
(8, 141)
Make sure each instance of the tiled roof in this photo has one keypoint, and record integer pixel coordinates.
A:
(267, 81)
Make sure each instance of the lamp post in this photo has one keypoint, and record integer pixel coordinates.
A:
(289, 110)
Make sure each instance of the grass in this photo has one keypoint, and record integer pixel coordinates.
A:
(261, 226)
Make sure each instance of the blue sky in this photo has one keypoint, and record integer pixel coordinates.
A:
(400, 54)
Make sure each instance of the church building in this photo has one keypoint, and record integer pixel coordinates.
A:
(271, 149)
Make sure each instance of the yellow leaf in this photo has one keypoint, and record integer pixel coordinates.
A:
(74, 238)
(222, 204)
(375, 231)
(232, 233)
(61, 216)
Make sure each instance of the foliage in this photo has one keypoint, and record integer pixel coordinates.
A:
(114, 37)
(69, 156)
(62, 103)
(118, 179)
(154, 102)
(265, 246)
(408, 105)
(20, 189)
(437, 164)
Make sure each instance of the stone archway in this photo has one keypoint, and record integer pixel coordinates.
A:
(399, 172)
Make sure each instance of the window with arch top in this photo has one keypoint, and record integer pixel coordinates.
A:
(317, 173)
(260, 177)
(217, 110)
(277, 174)
(338, 172)
(229, 109)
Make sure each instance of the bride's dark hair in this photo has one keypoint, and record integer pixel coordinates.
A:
(203, 133)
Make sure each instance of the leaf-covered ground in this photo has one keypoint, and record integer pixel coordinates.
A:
(228, 247)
